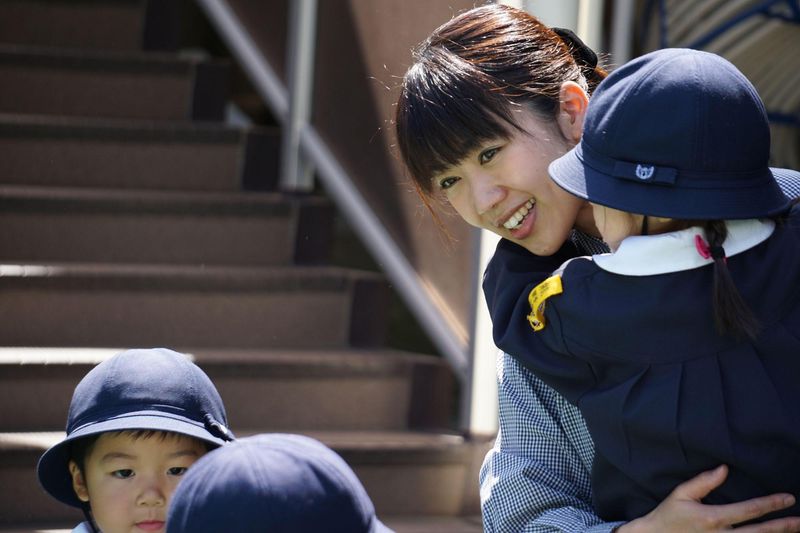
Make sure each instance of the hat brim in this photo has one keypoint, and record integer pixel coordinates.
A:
(53, 467)
(575, 176)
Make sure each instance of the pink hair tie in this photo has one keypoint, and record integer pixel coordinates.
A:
(716, 252)
(702, 247)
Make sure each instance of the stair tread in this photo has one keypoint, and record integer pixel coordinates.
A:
(381, 441)
(400, 524)
(210, 202)
(126, 128)
(279, 362)
(89, 355)
(266, 277)
(59, 57)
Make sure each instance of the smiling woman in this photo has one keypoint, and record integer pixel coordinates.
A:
(492, 98)
(503, 186)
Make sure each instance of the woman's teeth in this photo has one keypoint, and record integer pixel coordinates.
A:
(516, 218)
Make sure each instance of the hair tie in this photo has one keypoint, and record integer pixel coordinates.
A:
(717, 252)
(582, 53)
(709, 252)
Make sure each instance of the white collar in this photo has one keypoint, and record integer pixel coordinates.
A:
(676, 251)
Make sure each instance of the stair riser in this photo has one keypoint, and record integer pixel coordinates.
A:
(134, 163)
(122, 25)
(64, 236)
(120, 317)
(415, 488)
(61, 162)
(30, 504)
(36, 398)
(95, 93)
(341, 403)
(424, 483)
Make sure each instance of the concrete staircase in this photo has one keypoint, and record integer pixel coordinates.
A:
(132, 215)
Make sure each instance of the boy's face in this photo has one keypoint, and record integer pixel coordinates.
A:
(128, 480)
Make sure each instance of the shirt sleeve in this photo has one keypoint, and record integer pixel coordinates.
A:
(537, 477)
(789, 185)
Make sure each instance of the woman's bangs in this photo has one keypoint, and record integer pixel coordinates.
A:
(446, 117)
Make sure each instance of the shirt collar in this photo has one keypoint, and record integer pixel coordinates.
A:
(676, 251)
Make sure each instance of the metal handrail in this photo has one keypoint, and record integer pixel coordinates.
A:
(339, 185)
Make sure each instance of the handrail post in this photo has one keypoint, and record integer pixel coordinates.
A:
(479, 396)
(296, 169)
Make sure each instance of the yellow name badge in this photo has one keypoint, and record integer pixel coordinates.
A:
(537, 298)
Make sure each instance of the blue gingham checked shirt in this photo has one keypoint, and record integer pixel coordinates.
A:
(537, 477)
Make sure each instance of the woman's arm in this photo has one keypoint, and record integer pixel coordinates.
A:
(537, 476)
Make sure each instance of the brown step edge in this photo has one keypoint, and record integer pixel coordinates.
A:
(95, 83)
(51, 224)
(279, 390)
(104, 153)
(425, 524)
(117, 25)
(409, 476)
(169, 305)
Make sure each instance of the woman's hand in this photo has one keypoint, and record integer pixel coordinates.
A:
(682, 511)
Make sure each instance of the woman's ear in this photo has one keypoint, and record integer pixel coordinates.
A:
(78, 482)
(573, 102)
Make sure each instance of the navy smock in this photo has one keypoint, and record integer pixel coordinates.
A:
(663, 394)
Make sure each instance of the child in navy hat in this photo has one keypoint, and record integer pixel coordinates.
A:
(681, 348)
(276, 483)
(136, 422)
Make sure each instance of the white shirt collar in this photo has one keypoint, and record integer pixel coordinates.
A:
(676, 251)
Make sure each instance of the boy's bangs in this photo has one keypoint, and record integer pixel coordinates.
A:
(442, 118)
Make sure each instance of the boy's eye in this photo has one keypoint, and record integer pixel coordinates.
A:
(446, 183)
(177, 470)
(488, 155)
(124, 473)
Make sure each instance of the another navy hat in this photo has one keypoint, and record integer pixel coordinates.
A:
(272, 482)
(153, 389)
(676, 133)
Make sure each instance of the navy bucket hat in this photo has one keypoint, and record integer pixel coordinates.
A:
(676, 133)
(272, 482)
(148, 389)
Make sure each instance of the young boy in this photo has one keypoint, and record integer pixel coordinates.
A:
(136, 422)
(273, 482)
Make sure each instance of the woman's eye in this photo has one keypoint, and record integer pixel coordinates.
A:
(446, 183)
(488, 155)
(125, 473)
(177, 470)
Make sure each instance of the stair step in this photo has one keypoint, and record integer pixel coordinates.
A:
(296, 390)
(406, 474)
(168, 305)
(47, 224)
(114, 25)
(111, 84)
(76, 152)
(414, 524)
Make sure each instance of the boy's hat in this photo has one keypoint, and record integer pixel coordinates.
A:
(272, 482)
(676, 133)
(153, 389)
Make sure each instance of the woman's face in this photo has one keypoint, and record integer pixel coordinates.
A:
(504, 187)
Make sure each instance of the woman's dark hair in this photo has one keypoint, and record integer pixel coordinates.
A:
(471, 73)
(732, 315)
